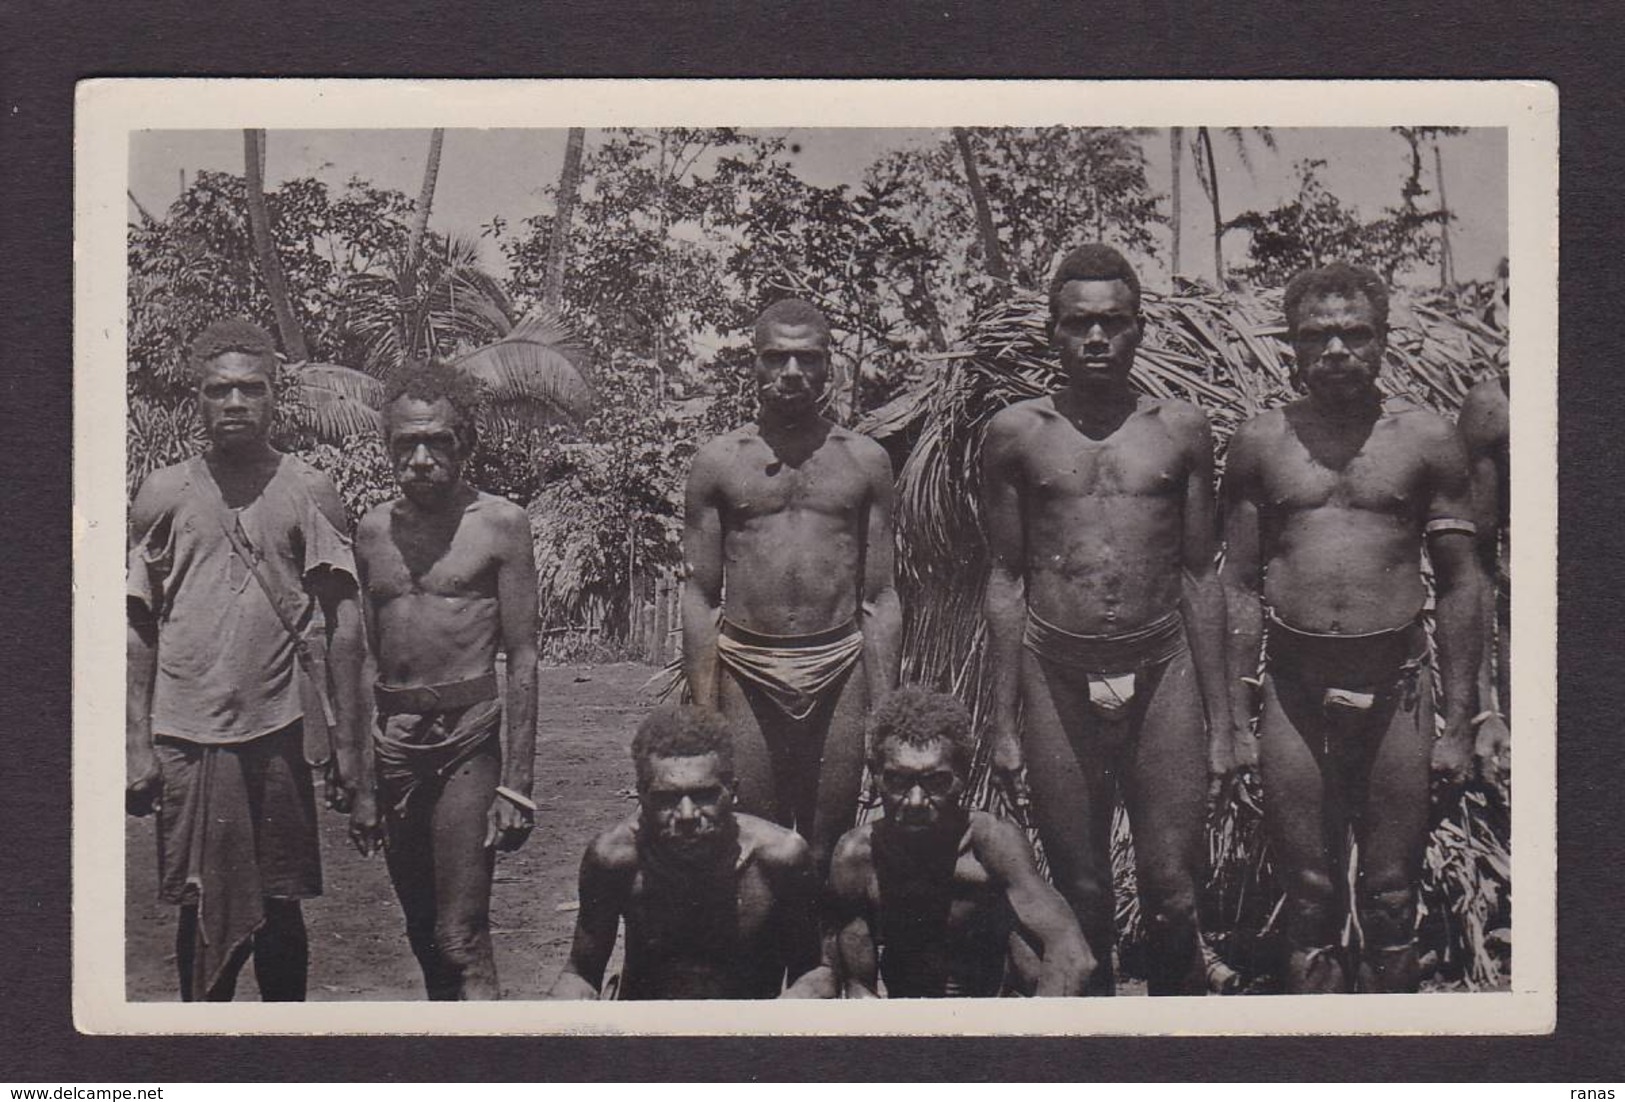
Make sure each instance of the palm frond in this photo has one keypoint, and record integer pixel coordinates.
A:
(534, 373)
(331, 402)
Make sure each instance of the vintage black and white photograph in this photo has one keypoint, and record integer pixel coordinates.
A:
(959, 551)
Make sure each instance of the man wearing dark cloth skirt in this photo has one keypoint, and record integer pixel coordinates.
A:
(232, 553)
(1328, 501)
(790, 616)
(1106, 622)
(450, 578)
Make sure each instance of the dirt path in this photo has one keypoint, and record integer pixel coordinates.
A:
(358, 944)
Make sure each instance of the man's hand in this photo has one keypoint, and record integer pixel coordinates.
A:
(142, 795)
(1492, 751)
(1452, 756)
(336, 794)
(509, 826)
(366, 828)
(817, 983)
(571, 986)
(1221, 768)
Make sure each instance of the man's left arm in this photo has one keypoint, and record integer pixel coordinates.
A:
(338, 593)
(516, 603)
(1202, 604)
(1458, 608)
(1043, 915)
(882, 610)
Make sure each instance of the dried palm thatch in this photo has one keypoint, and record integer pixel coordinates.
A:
(1226, 353)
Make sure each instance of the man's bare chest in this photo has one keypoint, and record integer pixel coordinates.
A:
(1382, 475)
(708, 911)
(827, 486)
(406, 562)
(1138, 460)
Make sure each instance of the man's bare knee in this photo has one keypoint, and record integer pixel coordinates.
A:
(1170, 910)
(1310, 908)
(1388, 917)
(462, 944)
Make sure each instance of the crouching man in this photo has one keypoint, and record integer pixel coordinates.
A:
(717, 904)
(938, 901)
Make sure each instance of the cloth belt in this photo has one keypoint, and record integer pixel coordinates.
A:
(1367, 661)
(422, 700)
(1112, 663)
(793, 670)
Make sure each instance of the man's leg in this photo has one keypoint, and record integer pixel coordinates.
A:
(463, 866)
(1302, 816)
(1166, 794)
(748, 714)
(1393, 837)
(831, 758)
(1069, 774)
(409, 855)
(282, 952)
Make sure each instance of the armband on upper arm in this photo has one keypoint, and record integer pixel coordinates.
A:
(1450, 524)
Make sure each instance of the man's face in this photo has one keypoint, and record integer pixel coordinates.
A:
(918, 785)
(792, 369)
(425, 449)
(1339, 347)
(686, 804)
(235, 400)
(1096, 332)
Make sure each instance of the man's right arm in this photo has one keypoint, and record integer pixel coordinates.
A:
(1483, 428)
(857, 965)
(1044, 917)
(603, 888)
(1240, 577)
(142, 778)
(702, 592)
(1004, 604)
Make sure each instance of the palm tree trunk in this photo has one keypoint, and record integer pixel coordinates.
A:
(1447, 262)
(1176, 151)
(984, 213)
(559, 246)
(1205, 140)
(420, 213)
(259, 225)
(407, 277)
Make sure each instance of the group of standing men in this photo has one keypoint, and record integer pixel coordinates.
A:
(1125, 662)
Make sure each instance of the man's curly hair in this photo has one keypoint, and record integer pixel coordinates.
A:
(1094, 262)
(230, 335)
(1337, 278)
(682, 731)
(915, 716)
(430, 381)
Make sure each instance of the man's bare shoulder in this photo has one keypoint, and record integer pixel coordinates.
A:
(505, 516)
(866, 449)
(1178, 413)
(718, 454)
(1017, 421)
(777, 848)
(1418, 421)
(614, 850)
(1484, 413)
(854, 848)
(1260, 430)
(375, 521)
(997, 842)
